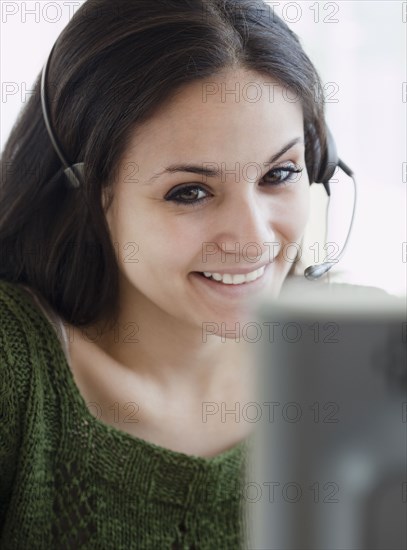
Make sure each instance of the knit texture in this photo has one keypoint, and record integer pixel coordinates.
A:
(70, 481)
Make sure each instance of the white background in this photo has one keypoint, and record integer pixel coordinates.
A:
(359, 50)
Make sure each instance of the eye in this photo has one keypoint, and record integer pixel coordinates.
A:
(190, 195)
(195, 195)
(282, 175)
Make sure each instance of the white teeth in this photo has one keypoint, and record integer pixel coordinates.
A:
(239, 279)
(252, 276)
(227, 279)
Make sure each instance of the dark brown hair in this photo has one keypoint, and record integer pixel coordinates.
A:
(113, 65)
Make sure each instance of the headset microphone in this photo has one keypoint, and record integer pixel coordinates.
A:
(75, 172)
(328, 166)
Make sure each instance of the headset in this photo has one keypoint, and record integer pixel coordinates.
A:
(329, 162)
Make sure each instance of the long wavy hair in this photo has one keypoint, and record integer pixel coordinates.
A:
(113, 65)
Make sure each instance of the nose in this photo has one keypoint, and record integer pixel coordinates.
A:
(246, 228)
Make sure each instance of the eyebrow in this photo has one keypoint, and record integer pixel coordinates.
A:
(212, 172)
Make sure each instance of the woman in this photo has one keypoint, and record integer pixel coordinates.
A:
(198, 126)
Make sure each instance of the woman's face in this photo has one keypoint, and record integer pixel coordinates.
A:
(236, 211)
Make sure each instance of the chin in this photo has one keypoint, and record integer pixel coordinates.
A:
(237, 327)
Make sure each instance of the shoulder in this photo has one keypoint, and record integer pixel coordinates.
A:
(16, 334)
(339, 295)
(23, 332)
(17, 360)
(28, 343)
(19, 313)
(338, 283)
(14, 321)
(365, 295)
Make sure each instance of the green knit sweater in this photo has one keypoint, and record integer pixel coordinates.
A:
(70, 481)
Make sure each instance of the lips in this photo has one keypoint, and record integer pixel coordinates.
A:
(237, 278)
(222, 291)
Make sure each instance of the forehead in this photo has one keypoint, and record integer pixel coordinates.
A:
(232, 113)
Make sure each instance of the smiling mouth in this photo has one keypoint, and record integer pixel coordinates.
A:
(235, 279)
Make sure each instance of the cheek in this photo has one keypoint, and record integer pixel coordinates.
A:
(294, 218)
(159, 245)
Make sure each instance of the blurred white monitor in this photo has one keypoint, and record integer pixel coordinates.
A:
(328, 469)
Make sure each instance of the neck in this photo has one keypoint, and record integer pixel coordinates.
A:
(170, 354)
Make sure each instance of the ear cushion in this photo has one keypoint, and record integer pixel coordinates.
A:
(325, 160)
(329, 160)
